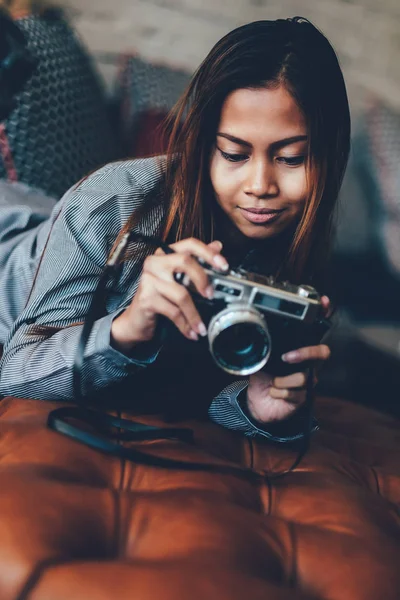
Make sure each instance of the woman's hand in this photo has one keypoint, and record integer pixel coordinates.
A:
(272, 398)
(159, 294)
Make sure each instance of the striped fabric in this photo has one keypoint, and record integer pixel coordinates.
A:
(82, 235)
(24, 227)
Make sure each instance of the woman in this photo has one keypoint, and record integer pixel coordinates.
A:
(258, 148)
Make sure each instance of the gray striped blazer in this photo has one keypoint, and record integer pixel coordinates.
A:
(25, 221)
(85, 225)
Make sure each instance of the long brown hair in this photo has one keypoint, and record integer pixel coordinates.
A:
(289, 52)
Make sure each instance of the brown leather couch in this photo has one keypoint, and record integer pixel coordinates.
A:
(79, 525)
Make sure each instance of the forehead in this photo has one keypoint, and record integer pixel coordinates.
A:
(268, 114)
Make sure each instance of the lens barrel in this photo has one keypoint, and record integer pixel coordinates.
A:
(239, 340)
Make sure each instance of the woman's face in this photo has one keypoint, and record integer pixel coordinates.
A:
(258, 163)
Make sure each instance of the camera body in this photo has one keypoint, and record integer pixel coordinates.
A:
(252, 320)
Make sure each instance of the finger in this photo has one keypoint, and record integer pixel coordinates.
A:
(327, 306)
(293, 396)
(154, 302)
(166, 266)
(295, 380)
(321, 352)
(162, 306)
(215, 245)
(179, 296)
(209, 253)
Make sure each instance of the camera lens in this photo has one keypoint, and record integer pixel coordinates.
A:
(240, 346)
(239, 340)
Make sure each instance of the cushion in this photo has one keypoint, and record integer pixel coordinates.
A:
(60, 129)
(377, 151)
(77, 525)
(145, 93)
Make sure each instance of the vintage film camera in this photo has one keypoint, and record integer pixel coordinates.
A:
(254, 319)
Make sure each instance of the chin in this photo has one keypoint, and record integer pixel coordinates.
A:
(258, 232)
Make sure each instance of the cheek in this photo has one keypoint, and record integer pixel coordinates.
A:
(223, 183)
(214, 173)
(295, 188)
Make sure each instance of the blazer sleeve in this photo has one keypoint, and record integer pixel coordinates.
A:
(40, 366)
(228, 409)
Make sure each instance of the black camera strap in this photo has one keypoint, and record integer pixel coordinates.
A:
(105, 432)
(308, 408)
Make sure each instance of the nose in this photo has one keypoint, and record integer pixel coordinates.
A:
(261, 181)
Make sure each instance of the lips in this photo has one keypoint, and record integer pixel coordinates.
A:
(262, 211)
(260, 215)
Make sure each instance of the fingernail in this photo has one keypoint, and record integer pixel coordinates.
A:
(186, 281)
(219, 244)
(202, 329)
(289, 356)
(193, 335)
(220, 262)
(210, 292)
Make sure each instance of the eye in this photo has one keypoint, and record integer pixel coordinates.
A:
(233, 157)
(291, 161)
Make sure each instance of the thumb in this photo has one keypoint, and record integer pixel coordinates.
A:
(327, 306)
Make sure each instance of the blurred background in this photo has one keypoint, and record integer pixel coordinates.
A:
(365, 33)
(107, 77)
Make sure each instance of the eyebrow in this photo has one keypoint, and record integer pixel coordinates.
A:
(275, 145)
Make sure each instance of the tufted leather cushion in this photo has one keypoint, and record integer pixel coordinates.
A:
(77, 525)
